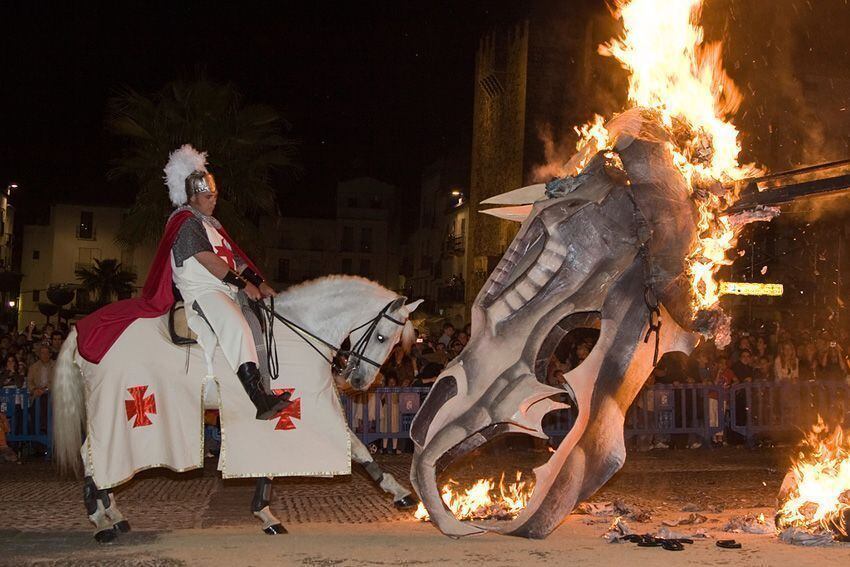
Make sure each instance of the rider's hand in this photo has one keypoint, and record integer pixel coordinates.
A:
(267, 290)
(252, 292)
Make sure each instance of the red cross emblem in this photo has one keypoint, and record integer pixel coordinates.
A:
(291, 411)
(140, 406)
(226, 254)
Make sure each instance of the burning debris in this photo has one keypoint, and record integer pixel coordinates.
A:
(749, 524)
(815, 495)
(482, 500)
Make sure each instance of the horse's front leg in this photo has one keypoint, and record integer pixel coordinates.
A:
(260, 507)
(103, 512)
(402, 498)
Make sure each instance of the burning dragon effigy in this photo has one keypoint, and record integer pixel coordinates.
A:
(633, 232)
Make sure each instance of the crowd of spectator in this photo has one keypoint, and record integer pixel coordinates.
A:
(28, 361)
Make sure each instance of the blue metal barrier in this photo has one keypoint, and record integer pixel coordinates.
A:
(695, 409)
(690, 409)
(763, 408)
(29, 420)
(383, 413)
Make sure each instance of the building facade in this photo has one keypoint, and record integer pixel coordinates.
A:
(362, 238)
(435, 267)
(74, 237)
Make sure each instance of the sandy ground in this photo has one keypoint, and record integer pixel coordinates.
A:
(411, 543)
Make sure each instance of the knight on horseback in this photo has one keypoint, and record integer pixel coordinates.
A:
(208, 270)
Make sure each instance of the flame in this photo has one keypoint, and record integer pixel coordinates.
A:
(483, 500)
(674, 72)
(820, 491)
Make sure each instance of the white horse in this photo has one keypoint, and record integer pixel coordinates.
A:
(311, 321)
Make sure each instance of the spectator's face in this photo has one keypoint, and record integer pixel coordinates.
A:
(449, 331)
(582, 351)
(204, 202)
(456, 348)
(441, 347)
(56, 341)
(44, 354)
(11, 364)
(463, 338)
(392, 383)
(788, 350)
(746, 358)
(22, 368)
(760, 344)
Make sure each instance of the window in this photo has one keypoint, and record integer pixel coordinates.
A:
(85, 230)
(365, 239)
(365, 268)
(283, 269)
(346, 266)
(347, 244)
(36, 254)
(375, 202)
(352, 202)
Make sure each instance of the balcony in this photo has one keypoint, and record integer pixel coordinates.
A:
(454, 245)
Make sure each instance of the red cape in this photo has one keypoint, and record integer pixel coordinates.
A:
(97, 332)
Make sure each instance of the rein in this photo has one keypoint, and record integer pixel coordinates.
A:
(354, 354)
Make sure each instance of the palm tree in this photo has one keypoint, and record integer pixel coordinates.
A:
(245, 143)
(106, 281)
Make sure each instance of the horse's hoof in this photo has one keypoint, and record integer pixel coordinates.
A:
(406, 503)
(275, 529)
(106, 536)
(122, 527)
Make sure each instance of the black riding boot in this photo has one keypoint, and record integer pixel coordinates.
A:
(267, 406)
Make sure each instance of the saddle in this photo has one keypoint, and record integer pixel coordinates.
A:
(178, 327)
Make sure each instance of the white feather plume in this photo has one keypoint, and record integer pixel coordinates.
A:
(181, 163)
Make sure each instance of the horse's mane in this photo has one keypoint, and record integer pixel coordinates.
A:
(293, 292)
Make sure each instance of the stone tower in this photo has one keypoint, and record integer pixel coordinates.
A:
(497, 145)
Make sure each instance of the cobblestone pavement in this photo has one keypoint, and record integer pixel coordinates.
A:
(33, 499)
(43, 522)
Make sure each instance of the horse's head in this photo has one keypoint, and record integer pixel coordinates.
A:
(372, 342)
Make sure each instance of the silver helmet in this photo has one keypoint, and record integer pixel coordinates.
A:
(200, 182)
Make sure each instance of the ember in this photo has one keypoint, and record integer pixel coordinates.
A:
(483, 501)
(815, 495)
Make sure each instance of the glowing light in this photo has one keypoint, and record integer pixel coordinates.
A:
(744, 288)
(483, 500)
(12, 303)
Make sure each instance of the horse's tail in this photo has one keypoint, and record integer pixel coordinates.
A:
(69, 408)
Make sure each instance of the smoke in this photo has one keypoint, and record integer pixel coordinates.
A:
(555, 152)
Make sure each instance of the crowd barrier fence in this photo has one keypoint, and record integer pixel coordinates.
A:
(749, 410)
(30, 420)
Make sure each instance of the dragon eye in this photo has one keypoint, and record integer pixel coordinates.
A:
(381, 338)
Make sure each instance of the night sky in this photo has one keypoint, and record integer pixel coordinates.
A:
(371, 88)
(376, 88)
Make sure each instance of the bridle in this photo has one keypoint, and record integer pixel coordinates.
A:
(355, 354)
